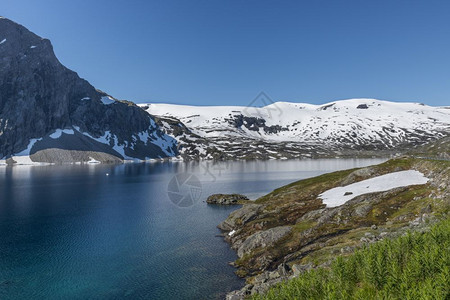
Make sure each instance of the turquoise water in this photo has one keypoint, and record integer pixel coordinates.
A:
(112, 231)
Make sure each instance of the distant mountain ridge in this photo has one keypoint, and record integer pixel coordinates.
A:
(49, 114)
(296, 130)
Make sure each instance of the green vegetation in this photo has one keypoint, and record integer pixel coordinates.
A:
(414, 266)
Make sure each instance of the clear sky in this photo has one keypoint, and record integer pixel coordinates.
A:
(224, 52)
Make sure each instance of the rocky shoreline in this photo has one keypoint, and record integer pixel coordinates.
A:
(289, 231)
(262, 282)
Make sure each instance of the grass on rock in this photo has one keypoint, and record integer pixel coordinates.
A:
(414, 266)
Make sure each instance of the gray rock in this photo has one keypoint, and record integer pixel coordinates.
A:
(241, 216)
(225, 199)
(314, 214)
(261, 283)
(299, 269)
(416, 221)
(360, 173)
(364, 240)
(363, 209)
(263, 239)
(346, 249)
(264, 287)
(236, 295)
(384, 234)
(283, 269)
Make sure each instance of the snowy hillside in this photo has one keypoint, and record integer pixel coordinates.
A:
(303, 129)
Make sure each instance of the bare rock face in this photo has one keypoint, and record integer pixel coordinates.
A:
(38, 96)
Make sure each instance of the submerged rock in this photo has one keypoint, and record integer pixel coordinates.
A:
(226, 199)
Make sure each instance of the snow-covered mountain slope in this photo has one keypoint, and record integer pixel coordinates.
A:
(289, 130)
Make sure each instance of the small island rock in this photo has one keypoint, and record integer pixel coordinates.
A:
(225, 199)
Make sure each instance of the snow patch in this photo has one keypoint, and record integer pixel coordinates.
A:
(93, 161)
(30, 145)
(24, 160)
(23, 157)
(58, 132)
(143, 136)
(108, 138)
(107, 100)
(32, 47)
(4, 40)
(120, 148)
(85, 98)
(339, 195)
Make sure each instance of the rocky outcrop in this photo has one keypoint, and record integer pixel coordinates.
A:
(262, 282)
(226, 199)
(39, 97)
(240, 217)
(266, 238)
(291, 230)
(254, 124)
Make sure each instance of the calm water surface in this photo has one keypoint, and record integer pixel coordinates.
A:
(74, 232)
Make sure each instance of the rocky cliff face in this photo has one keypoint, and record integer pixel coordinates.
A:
(45, 106)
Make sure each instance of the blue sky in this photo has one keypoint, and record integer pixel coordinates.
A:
(215, 52)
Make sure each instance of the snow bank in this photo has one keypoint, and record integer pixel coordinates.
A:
(339, 195)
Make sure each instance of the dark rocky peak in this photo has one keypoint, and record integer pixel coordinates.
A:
(17, 40)
(38, 95)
